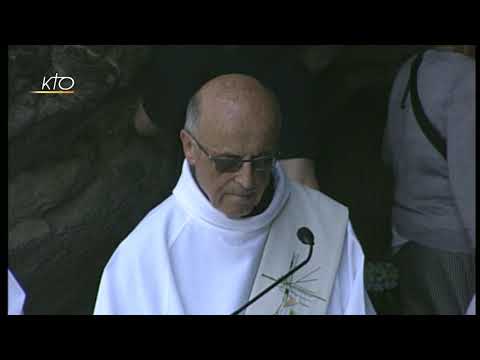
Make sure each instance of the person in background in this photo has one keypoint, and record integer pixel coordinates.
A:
(429, 144)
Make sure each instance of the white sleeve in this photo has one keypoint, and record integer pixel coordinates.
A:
(471, 310)
(117, 292)
(16, 296)
(348, 295)
(103, 303)
(111, 292)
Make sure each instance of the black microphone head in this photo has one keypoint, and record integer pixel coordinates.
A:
(305, 235)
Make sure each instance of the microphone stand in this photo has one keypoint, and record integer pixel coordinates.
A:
(276, 282)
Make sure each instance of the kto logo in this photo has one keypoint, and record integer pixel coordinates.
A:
(60, 85)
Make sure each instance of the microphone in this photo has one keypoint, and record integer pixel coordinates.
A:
(306, 237)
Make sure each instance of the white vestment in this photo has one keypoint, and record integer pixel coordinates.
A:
(16, 296)
(471, 310)
(186, 257)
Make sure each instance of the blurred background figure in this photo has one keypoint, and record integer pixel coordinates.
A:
(16, 296)
(429, 145)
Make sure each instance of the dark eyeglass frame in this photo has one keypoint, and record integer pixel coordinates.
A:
(231, 164)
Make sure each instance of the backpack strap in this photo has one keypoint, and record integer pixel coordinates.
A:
(432, 134)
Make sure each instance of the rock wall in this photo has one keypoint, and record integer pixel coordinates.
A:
(79, 176)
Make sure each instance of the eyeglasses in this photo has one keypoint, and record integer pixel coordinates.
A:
(230, 164)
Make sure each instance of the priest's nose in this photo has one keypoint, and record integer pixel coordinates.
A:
(246, 176)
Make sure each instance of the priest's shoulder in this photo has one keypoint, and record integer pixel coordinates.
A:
(305, 193)
(166, 211)
(157, 228)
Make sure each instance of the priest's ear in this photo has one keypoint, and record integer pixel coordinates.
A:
(188, 146)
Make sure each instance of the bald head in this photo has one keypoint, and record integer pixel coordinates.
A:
(233, 87)
(232, 119)
(233, 101)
